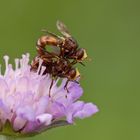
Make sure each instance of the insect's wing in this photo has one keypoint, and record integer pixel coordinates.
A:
(50, 33)
(55, 50)
(63, 29)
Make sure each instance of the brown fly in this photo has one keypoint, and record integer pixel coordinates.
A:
(56, 68)
(67, 44)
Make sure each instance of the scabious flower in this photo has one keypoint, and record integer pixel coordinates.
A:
(25, 105)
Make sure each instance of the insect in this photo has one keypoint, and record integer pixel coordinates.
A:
(57, 68)
(59, 63)
(67, 44)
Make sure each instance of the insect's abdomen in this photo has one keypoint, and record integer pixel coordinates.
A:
(47, 40)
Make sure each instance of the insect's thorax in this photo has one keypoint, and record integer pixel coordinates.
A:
(70, 44)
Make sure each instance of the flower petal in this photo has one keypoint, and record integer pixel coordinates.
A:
(3, 88)
(72, 109)
(44, 119)
(75, 92)
(87, 110)
(22, 84)
(26, 113)
(42, 105)
(19, 123)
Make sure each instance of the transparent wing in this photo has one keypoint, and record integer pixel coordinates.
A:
(63, 29)
(50, 33)
(55, 49)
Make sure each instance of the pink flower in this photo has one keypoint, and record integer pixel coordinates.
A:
(25, 105)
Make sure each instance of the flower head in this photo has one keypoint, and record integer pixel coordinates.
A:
(25, 104)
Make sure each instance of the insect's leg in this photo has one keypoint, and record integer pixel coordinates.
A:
(61, 52)
(51, 87)
(76, 82)
(65, 87)
(76, 61)
(82, 64)
(73, 62)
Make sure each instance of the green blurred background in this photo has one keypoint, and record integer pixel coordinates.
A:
(110, 32)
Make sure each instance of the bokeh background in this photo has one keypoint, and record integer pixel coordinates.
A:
(110, 32)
